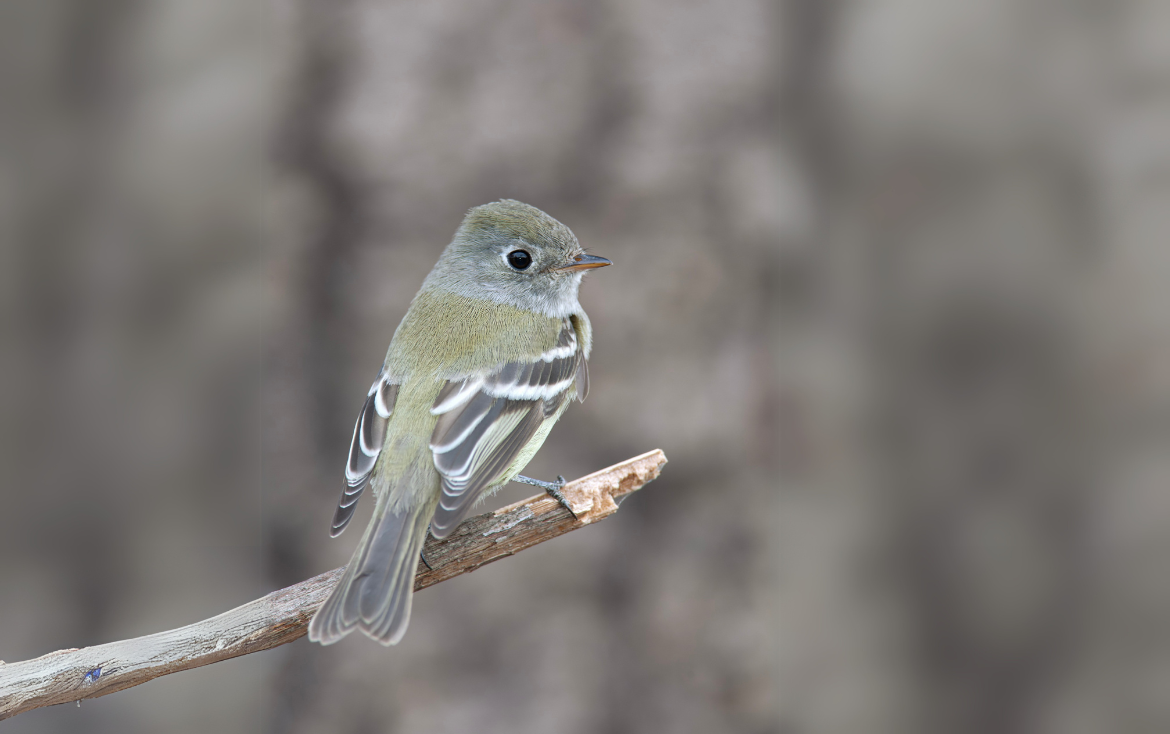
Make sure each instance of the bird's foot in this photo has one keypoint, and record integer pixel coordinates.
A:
(553, 489)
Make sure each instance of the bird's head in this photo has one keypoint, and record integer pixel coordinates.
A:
(514, 253)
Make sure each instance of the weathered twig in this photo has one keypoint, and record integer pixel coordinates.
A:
(282, 616)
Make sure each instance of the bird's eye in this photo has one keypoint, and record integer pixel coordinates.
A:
(519, 259)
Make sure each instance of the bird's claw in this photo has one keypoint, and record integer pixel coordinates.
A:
(553, 489)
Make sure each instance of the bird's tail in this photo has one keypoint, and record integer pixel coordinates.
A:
(375, 591)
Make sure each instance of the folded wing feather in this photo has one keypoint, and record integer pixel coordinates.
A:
(368, 435)
(486, 420)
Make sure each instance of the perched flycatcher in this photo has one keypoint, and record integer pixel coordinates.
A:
(490, 353)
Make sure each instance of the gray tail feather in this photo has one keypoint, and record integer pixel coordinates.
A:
(375, 591)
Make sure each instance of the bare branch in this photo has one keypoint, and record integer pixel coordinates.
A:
(283, 616)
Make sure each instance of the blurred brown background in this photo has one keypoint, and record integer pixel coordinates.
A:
(891, 291)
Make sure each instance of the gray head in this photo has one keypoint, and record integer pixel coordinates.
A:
(513, 253)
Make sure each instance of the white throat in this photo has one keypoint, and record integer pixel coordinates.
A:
(555, 303)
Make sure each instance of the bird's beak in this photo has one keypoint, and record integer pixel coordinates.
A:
(586, 262)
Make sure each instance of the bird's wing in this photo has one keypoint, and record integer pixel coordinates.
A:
(486, 420)
(368, 434)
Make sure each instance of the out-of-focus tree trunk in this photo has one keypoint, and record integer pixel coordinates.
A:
(955, 340)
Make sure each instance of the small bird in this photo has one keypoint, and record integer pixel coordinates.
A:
(487, 358)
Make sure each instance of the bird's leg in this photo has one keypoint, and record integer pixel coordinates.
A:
(546, 486)
(553, 489)
(423, 556)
